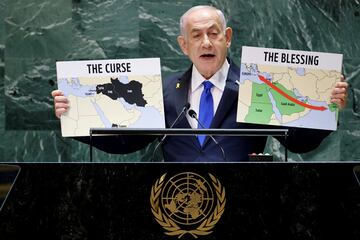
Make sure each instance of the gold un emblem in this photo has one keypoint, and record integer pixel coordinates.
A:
(187, 203)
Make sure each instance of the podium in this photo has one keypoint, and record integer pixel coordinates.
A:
(116, 201)
(188, 132)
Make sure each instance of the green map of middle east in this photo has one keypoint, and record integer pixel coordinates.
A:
(287, 95)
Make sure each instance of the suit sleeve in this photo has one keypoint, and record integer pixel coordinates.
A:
(118, 144)
(302, 140)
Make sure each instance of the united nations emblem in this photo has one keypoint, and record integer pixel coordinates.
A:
(187, 203)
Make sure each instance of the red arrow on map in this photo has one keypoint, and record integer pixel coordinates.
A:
(262, 78)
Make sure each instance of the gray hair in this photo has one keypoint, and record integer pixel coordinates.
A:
(183, 17)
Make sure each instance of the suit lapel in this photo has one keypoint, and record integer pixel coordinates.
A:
(226, 103)
(229, 96)
(182, 92)
(181, 98)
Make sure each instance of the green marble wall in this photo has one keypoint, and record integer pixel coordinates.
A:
(34, 34)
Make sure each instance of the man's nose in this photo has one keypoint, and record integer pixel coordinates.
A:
(206, 43)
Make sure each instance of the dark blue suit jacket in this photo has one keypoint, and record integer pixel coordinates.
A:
(188, 149)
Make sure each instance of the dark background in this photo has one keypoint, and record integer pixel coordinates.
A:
(112, 201)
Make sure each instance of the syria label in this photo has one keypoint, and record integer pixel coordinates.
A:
(111, 93)
(187, 204)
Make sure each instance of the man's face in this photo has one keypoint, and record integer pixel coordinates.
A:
(205, 42)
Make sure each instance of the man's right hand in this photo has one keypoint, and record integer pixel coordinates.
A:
(61, 103)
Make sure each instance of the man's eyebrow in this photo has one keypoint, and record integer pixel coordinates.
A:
(197, 29)
(213, 26)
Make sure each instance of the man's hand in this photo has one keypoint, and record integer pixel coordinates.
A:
(61, 103)
(339, 93)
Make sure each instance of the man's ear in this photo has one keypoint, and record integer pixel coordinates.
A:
(228, 36)
(182, 43)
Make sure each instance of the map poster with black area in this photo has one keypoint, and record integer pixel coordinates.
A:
(288, 88)
(111, 93)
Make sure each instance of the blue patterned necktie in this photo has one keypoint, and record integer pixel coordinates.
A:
(206, 111)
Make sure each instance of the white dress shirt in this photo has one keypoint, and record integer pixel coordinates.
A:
(196, 89)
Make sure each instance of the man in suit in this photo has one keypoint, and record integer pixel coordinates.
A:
(210, 84)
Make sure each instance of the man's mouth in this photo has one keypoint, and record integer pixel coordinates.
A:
(207, 56)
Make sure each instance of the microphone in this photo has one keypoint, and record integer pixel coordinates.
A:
(193, 115)
(183, 111)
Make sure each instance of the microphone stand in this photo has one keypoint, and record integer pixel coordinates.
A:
(185, 108)
(192, 114)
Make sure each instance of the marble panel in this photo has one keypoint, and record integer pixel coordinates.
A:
(252, 25)
(105, 29)
(37, 28)
(35, 34)
(349, 23)
(80, 152)
(349, 147)
(50, 146)
(170, 66)
(328, 150)
(35, 146)
(28, 102)
(2, 72)
(349, 118)
(159, 28)
(304, 25)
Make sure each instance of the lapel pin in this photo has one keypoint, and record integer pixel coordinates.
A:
(177, 85)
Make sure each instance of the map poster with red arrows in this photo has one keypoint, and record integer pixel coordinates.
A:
(288, 88)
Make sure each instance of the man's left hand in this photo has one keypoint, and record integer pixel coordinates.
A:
(339, 93)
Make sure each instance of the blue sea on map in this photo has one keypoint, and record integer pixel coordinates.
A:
(124, 79)
(252, 74)
(275, 109)
(324, 119)
(150, 117)
(75, 88)
(300, 71)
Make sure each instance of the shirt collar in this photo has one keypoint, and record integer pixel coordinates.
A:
(218, 79)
